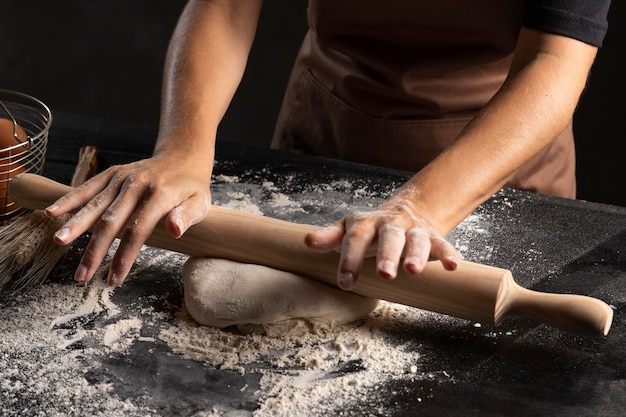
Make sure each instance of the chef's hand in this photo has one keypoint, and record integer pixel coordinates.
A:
(128, 201)
(395, 230)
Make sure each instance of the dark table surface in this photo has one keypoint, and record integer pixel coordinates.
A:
(518, 369)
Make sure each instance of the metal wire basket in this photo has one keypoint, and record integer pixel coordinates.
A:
(28, 154)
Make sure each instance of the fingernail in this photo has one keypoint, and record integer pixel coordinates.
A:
(181, 228)
(413, 264)
(388, 269)
(454, 262)
(53, 207)
(115, 280)
(346, 281)
(62, 234)
(81, 273)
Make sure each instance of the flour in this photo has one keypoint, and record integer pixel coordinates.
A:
(115, 334)
(40, 372)
(242, 202)
(471, 233)
(282, 200)
(312, 373)
(226, 178)
(305, 202)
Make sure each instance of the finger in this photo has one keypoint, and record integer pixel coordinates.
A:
(106, 229)
(82, 221)
(94, 206)
(186, 214)
(354, 248)
(79, 196)
(326, 239)
(104, 233)
(417, 250)
(94, 254)
(445, 252)
(140, 221)
(133, 236)
(391, 240)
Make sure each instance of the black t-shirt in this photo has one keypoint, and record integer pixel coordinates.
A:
(584, 20)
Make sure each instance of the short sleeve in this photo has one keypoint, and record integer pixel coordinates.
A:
(584, 20)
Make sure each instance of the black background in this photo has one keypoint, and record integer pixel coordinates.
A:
(104, 59)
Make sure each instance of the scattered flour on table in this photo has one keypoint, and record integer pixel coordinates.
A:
(309, 372)
(242, 202)
(473, 232)
(226, 178)
(41, 373)
(310, 203)
(48, 334)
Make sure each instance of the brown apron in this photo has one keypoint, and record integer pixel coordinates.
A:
(393, 83)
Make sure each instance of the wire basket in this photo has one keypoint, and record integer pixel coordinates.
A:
(29, 152)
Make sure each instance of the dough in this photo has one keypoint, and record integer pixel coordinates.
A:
(222, 293)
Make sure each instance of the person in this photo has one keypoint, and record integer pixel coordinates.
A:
(471, 96)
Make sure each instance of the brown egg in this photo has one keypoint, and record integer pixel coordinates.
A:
(9, 167)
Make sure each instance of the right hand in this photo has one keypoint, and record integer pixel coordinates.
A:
(400, 235)
(127, 201)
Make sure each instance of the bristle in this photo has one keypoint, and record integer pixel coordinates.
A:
(28, 252)
(36, 226)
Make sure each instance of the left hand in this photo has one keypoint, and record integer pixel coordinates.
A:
(399, 234)
(127, 201)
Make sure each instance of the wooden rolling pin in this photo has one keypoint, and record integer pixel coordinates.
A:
(474, 292)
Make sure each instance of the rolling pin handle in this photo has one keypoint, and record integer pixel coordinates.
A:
(36, 192)
(578, 314)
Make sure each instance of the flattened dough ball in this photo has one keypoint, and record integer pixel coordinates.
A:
(222, 293)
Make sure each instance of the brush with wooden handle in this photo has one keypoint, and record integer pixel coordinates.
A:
(474, 292)
(28, 254)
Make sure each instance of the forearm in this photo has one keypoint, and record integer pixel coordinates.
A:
(204, 66)
(532, 108)
(205, 63)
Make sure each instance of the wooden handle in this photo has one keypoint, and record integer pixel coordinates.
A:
(582, 315)
(474, 292)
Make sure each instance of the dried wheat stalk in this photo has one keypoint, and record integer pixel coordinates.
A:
(28, 252)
